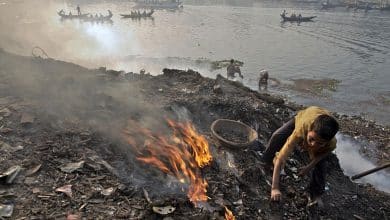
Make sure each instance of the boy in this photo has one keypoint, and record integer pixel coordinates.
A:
(313, 129)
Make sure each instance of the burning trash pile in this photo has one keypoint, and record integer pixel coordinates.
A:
(181, 155)
(67, 150)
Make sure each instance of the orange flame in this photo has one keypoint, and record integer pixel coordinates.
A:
(180, 155)
(229, 214)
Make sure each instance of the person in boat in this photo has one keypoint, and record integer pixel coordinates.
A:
(263, 81)
(283, 13)
(299, 17)
(293, 15)
(232, 69)
(78, 10)
(314, 130)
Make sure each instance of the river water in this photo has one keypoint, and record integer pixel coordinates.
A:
(340, 61)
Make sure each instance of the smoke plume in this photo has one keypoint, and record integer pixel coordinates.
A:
(352, 162)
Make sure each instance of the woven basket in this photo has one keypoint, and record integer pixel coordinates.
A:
(221, 128)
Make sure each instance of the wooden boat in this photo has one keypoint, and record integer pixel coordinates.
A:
(92, 18)
(136, 16)
(327, 5)
(297, 19)
(86, 17)
(385, 8)
(70, 16)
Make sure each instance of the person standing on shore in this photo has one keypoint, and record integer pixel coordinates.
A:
(232, 69)
(314, 130)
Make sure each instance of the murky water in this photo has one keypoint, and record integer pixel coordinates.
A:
(346, 47)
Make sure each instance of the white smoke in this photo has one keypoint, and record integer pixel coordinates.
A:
(352, 162)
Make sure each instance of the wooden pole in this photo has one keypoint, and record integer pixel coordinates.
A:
(373, 170)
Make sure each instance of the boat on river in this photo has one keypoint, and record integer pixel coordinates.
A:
(385, 8)
(95, 18)
(297, 18)
(327, 5)
(63, 15)
(86, 17)
(134, 15)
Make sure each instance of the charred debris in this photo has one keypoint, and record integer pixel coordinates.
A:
(70, 161)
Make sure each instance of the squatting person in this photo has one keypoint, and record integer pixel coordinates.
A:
(232, 69)
(314, 130)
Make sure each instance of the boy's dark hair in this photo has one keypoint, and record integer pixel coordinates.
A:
(325, 126)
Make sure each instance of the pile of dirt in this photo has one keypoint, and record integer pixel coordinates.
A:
(72, 163)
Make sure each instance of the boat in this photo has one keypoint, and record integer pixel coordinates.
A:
(171, 4)
(71, 16)
(385, 8)
(86, 17)
(327, 5)
(138, 16)
(365, 7)
(92, 18)
(297, 18)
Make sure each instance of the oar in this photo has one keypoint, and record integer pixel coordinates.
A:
(373, 170)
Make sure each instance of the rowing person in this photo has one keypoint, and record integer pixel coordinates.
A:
(78, 10)
(283, 13)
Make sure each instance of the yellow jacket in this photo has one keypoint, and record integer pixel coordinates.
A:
(303, 124)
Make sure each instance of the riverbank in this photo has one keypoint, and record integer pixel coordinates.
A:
(62, 124)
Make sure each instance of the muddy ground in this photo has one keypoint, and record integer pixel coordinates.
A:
(53, 114)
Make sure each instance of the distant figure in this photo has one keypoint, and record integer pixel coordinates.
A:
(293, 15)
(263, 81)
(70, 13)
(232, 69)
(299, 17)
(283, 13)
(78, 10)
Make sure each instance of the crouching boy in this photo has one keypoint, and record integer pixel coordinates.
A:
(314, 130)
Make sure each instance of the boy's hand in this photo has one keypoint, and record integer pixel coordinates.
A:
(303, 171)
(276, 195)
